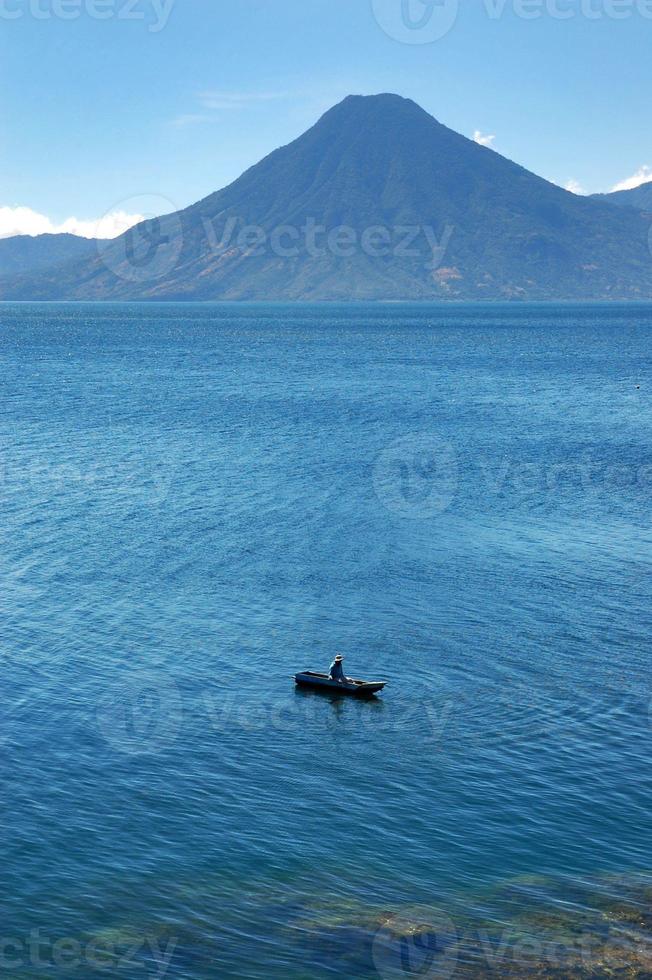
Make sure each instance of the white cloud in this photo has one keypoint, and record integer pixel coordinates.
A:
(111, 225)
(22, 221)
(236, 100)
(483, 140)
(25, 221)
(213, 102)
(574, 187)
(190, 119)
(642, 176)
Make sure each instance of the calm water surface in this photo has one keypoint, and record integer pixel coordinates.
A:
(198, 501)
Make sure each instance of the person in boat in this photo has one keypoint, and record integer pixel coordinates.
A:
(337, 670)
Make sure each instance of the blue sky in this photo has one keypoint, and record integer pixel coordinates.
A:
(168, 100)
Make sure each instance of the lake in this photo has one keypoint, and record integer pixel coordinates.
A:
(200, 500)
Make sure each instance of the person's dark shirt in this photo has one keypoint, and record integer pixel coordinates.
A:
(337, 671)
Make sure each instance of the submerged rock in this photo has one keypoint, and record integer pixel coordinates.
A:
(533, 926)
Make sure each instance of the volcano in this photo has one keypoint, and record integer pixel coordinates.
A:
(377, 201)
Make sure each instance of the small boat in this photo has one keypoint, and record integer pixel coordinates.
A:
(309, 678)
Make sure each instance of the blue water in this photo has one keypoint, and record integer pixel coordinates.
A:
(197, 501)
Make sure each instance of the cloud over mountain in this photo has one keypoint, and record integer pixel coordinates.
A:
(26, 221)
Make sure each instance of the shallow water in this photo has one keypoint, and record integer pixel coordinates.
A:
(198, 501)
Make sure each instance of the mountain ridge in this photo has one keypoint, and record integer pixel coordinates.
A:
(41, 251)
(636, 197)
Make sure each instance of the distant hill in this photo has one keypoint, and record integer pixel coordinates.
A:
(378, 201)
(639, 197)
(25, 254)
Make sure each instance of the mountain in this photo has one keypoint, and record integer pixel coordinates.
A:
(377, 201)
(24, 253)
(638, 197)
